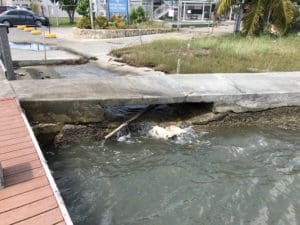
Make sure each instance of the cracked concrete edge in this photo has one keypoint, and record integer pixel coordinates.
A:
(109, 63)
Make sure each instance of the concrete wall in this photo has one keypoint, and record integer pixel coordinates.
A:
(104, 34)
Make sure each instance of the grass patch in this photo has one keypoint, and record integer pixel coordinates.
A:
(227, 54)
(62, 22)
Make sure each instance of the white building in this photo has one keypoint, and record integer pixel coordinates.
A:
(21, 3)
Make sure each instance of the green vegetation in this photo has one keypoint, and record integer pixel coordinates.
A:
(102, 23)
(137, 19)
(217, 54)
(62, 22)
(69, 6)
(83, 7)
(137, 15)
(261, 15)
(36, 8)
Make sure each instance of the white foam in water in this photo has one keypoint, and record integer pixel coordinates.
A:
(124, 138)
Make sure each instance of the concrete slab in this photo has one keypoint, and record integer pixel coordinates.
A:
(6, 90)
(242, 92)
(228, 92)
(108, 91)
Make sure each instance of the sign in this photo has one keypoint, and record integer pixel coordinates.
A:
(171, 13)
(118, 8)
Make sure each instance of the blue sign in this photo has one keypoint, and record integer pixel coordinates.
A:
(118, 8)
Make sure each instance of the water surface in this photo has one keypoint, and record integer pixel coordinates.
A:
(212, 177)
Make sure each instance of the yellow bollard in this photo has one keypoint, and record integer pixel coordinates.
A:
(28, 29)
(36, 32)
(50, 35)
(21, 27)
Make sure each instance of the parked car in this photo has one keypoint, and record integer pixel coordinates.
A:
(15, 17)
(5, 8)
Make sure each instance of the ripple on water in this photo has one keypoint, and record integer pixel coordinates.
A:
(232, 176)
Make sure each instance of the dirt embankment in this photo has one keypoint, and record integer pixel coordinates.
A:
(199, 116)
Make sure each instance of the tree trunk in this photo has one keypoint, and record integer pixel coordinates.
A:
(71, 13)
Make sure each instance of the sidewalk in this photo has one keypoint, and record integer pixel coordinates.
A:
(100, 48)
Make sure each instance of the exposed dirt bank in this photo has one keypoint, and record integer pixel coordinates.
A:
(199, 116)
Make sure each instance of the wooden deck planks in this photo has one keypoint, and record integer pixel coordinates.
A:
(27, 197)
(51, 217)
(28, 211)
(16, 154)
(21, 188)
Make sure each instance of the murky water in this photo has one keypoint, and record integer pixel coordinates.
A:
(89, 70)
(31, 46)
(212, 177)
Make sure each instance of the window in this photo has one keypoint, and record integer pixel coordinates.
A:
(12, 13)
(24, 13)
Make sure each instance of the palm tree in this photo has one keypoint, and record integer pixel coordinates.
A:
(262, 13)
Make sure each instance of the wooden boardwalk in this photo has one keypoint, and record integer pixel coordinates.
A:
(30, 195)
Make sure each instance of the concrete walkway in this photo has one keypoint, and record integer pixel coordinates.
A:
(228, 92)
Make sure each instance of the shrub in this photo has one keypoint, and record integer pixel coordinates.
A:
(138, 15)
(121, 25)
(84, 23)
(116, 22)
(101, 22)
(83, 8)
(36, 8)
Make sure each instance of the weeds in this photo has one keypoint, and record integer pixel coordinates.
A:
(227, 54)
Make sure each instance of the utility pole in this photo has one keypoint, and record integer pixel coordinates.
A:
(91, 14)
(237, 27)
(56, 11)
(178, 14)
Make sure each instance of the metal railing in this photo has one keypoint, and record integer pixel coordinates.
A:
(162, 10)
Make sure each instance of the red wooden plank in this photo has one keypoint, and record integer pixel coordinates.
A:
(28, 211)
(9, 113)
(19, 160)
(14, 141)
(27, 197)
(23, 187)
(20, 168)
(51, 217)
(4, 105)
(24, 199)
(23, 176)
(61, 223)
(15, 147)
(12, 121)
(15, 154)
(13, 136)
(11, 116)
(11, 126)
(13, 130)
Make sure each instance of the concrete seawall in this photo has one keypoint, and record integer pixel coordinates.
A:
(82, 100)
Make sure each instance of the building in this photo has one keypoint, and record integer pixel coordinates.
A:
(21, 3)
